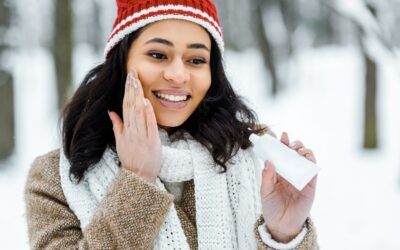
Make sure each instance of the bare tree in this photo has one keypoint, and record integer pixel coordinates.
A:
(7, 142)
(290, 19)
(265, 45)
(62, 49)
(97, 34)
(368, 26)
(88, 19)
(235, 16)
(370, 121)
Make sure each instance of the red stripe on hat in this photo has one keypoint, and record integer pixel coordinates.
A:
(164, 12)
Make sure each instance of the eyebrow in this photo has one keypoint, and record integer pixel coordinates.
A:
(169, 43)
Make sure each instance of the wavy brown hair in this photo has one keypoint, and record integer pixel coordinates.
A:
(221, 122)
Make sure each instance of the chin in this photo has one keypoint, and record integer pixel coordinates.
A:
(170, 123)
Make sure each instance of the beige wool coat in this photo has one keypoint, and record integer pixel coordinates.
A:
(122, 221)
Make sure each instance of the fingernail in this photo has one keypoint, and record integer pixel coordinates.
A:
(293, 144)
(266, 164)
(129, 79)
(135, 79)
(146, 102)
(132, 80)
(135, 74)
(135, 82)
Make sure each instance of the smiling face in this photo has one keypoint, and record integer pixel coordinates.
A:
(172, 58)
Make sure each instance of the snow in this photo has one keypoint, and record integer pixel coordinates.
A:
(36, 133)
(358, 196)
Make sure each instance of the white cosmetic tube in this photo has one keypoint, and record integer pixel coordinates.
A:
(289, 164)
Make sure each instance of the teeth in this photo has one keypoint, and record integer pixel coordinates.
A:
(171, 98)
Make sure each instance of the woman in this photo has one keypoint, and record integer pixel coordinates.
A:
(156, 151)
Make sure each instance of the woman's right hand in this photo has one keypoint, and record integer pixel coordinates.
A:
(136, 137)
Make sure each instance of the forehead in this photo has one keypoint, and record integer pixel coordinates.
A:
(177, 31)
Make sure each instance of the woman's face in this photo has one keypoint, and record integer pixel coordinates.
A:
(172, 59)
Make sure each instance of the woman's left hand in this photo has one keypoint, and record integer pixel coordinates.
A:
(285, 209)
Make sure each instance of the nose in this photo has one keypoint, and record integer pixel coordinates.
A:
(176, 72)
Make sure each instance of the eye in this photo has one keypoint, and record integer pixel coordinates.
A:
(197, 61)
(157, 55)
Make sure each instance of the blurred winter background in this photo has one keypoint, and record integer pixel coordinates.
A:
(325, 71)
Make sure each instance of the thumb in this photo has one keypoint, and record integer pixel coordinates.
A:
(116, 122)
(268, 179)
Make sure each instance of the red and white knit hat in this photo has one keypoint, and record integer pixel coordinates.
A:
(134, 14)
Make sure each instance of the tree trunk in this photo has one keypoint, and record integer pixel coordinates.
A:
(5, 14)
(289, 20)
(62, 49)
(98, 39)
(328, 28)
(265, 47)
(7, 126)
(7, 141)
(370, 127)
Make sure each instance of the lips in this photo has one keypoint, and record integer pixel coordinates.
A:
(172, 95)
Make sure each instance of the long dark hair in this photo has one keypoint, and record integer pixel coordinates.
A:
(221, 122)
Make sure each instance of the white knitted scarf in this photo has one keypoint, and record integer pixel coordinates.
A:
(227, 205)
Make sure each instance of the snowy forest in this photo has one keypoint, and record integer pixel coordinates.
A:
(325, 71)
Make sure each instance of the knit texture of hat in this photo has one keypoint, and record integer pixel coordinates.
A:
(134, 14)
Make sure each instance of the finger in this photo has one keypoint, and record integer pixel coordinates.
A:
(117, 124)
(268, 179)
(140, 113)
(307, 153)
(296, 145)
(285, 138)
(313, 183)
(128, 101)
(152, 129)
(137, 84)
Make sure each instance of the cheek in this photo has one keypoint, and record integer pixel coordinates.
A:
(148, 76)
(203, 86)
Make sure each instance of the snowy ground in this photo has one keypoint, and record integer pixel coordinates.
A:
(358, 196)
